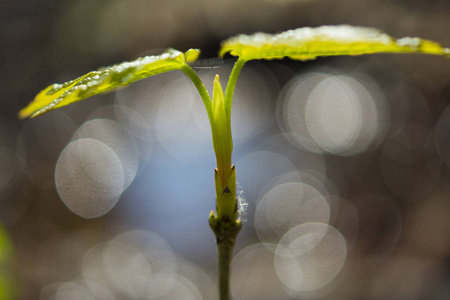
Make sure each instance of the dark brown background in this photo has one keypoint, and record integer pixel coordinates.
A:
(399, 187)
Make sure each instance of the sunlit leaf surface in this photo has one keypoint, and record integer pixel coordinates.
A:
(309, 43)
(106, 79)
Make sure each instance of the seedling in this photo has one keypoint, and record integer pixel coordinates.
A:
(300, 44)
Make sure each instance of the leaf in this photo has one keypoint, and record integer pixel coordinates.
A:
(309, 43)
(106, 79)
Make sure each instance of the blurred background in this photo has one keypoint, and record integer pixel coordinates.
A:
(343, 163)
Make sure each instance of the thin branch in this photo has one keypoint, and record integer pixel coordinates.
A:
(232, 84)
(200, 88)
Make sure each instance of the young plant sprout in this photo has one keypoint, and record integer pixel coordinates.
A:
(299, 44)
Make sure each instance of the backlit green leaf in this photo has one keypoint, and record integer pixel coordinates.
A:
(106, 79)
(309, 43)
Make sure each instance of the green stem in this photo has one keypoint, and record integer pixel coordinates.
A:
(227, 226)
(225, 252)
(200, 87)
(232, 84)
(225, 237)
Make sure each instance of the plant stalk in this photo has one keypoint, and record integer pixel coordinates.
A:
(225, 252)
(225, 238)
(200, 88)
(229, 92)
